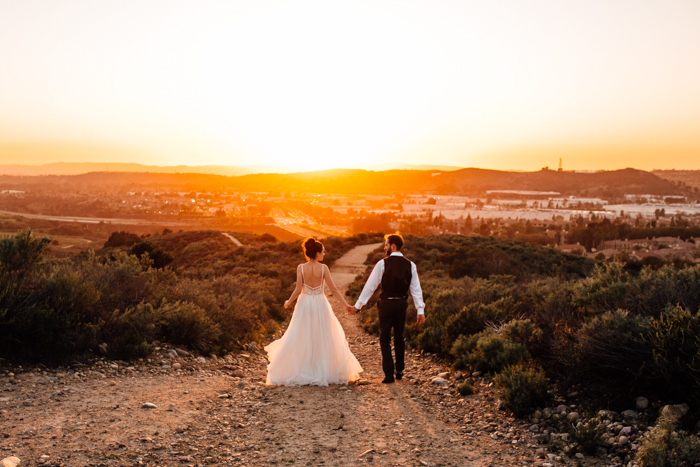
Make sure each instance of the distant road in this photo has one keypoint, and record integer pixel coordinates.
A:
(89, 220)
(232, 238)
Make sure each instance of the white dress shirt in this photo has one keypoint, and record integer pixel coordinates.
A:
(376, 278)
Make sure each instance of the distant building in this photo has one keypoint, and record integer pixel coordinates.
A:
(645, 198)
(574, 249)
(675, 199)
(617, 244)
(644, 243)
(521, 194)
(607, 253)
(670, 242)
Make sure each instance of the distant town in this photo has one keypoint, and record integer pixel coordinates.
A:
(665, 224)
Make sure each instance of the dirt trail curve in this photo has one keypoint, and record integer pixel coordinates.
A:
(232, 238)
(218, 411)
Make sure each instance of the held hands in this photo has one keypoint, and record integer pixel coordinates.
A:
(420, 319)
(350, 309)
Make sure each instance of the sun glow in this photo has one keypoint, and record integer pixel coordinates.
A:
(317, 84)
(313, 85)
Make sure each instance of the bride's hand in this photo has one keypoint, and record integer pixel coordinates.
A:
(286, 304)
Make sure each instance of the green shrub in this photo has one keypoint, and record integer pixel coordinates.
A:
(43, 334)
(674, 338)
(130, 334)
(465, 389)
(130, 345)
(121, 238)
(217, 298)
(20, 257)
(589, 436)
(471, 319)
(430, 339)
(369, 317)
(159, 257)
(487, 351)
(52, 322)
(665, 446)
(608, 352)
(187, 324)
(523, 332)
(522, 389)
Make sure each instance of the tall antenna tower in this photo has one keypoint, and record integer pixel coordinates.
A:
(560, 168)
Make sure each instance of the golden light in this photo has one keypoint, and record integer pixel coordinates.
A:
(316, 84)
(311, 85)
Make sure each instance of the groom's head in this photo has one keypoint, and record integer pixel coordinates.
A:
(392, 243)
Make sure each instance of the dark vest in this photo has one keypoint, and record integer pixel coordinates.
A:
(397, 277)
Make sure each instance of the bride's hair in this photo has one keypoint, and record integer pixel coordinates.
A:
(311, 247)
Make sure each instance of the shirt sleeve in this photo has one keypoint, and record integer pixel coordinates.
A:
(375, 278)
(416, 291)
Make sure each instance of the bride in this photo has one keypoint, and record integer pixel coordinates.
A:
(313, 350)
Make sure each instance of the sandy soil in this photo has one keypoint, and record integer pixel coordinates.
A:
(217, 411)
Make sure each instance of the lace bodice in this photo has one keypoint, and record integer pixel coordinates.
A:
(311, 290)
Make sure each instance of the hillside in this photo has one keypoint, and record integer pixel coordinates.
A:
(347, 181)
(690, 178)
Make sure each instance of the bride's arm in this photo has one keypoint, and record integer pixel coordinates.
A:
(334, 289)
(297, 289)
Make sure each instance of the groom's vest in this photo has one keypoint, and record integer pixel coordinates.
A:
(397, 277)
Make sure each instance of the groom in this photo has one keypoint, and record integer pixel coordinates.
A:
(398, 276)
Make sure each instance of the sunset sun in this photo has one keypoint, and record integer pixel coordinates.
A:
(312, 86)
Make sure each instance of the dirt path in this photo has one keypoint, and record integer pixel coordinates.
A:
(218, 411)
(232, 238)
(356, 424)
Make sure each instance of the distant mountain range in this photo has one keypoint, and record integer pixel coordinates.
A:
(77, 168)
(354, 181)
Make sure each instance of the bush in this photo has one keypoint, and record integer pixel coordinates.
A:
(674, 338)
(158, 256)
(522, 389)
(19, 262)
(471, 319)
(523, 332)
(487, 351)
(130, 334)
(465, 389)
(608, 352)
(589, 436)
(187, 324)
(266, 237)
(219, 296)
(666, 447)
(369, 317)
(121, 238)
(130, 345)
(41, 318)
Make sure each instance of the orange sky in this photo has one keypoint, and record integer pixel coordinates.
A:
(316, 84)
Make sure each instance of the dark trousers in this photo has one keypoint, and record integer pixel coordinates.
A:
(392, 315)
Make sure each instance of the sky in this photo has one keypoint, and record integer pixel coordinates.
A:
(510, 85)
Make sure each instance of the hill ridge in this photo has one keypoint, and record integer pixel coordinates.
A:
(388, 182)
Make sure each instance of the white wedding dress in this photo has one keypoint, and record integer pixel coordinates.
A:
(313, 350)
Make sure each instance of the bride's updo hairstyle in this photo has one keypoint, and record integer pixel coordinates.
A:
(311, 247)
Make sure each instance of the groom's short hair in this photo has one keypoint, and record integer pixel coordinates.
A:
(395, 239)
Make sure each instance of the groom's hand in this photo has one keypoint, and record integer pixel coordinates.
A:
(420, 319)
(351, 309)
